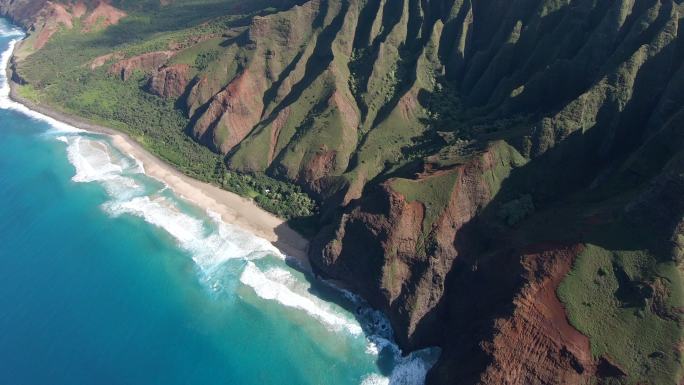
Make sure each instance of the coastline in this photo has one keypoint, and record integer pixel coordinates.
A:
(232, 208)
(247, 215)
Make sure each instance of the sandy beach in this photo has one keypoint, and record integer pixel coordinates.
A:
(232, 208)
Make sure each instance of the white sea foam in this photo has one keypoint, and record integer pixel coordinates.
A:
(279, 285)
(209, 240)
(10, 31)
(138, 163)
(375, 379)
(237, 239)
(94, 161)
(377, 344)
(212, 242)
(409, 370)
(7, 103)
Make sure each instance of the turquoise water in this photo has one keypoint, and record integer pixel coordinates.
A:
(109, 278)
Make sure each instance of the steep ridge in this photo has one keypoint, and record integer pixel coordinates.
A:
(471, 159)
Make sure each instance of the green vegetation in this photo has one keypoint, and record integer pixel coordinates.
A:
(283, 199)
(199, 56)
(434, 192)
(152, 121)
(516, 210)
(445, 109)
(59, 75)
(27, 92)
(148, 18)
(626, 303)
(342, 96)
(205, 58)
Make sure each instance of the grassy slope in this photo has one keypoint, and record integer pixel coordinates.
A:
(434, 192)
(611, 296)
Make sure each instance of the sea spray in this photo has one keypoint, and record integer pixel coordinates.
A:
(279, 285)
(206, 237)
(95, 162)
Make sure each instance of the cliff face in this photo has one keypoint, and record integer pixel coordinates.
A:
(22, 12)
(468, 157)
(44, 18)
(417, 234)
(580, 90)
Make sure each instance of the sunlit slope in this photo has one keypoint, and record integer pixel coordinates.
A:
(464, 156)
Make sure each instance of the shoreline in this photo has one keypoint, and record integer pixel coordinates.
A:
(232, 208)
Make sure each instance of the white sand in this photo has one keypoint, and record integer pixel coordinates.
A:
(232, 208)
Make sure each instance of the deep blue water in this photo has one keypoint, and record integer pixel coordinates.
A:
(108, 278)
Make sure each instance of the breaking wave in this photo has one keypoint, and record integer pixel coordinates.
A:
(209, 240)
(212, 242)
(279, 285)
(409, 370)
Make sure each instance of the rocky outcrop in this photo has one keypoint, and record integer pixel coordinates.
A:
(102, 16)
(498, 57)
(232, 113)
(79, 9)
(52, 17)
(536, 344)
(102, 60)
(22, 11)
(170, 81)
(236, 109)
(147, 62)
(512, 329)
(409, 240)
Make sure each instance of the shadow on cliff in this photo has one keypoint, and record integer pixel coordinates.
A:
(371, 322)
(175, 17)
(571, 184)
(487, 275)
(593, 168)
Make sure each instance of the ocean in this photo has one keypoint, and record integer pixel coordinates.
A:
(108, 277)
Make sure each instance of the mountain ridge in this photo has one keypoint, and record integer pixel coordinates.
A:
(454, 147)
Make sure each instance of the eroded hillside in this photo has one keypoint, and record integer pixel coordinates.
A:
(503, 178)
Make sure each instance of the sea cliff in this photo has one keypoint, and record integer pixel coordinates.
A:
(502, 178)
